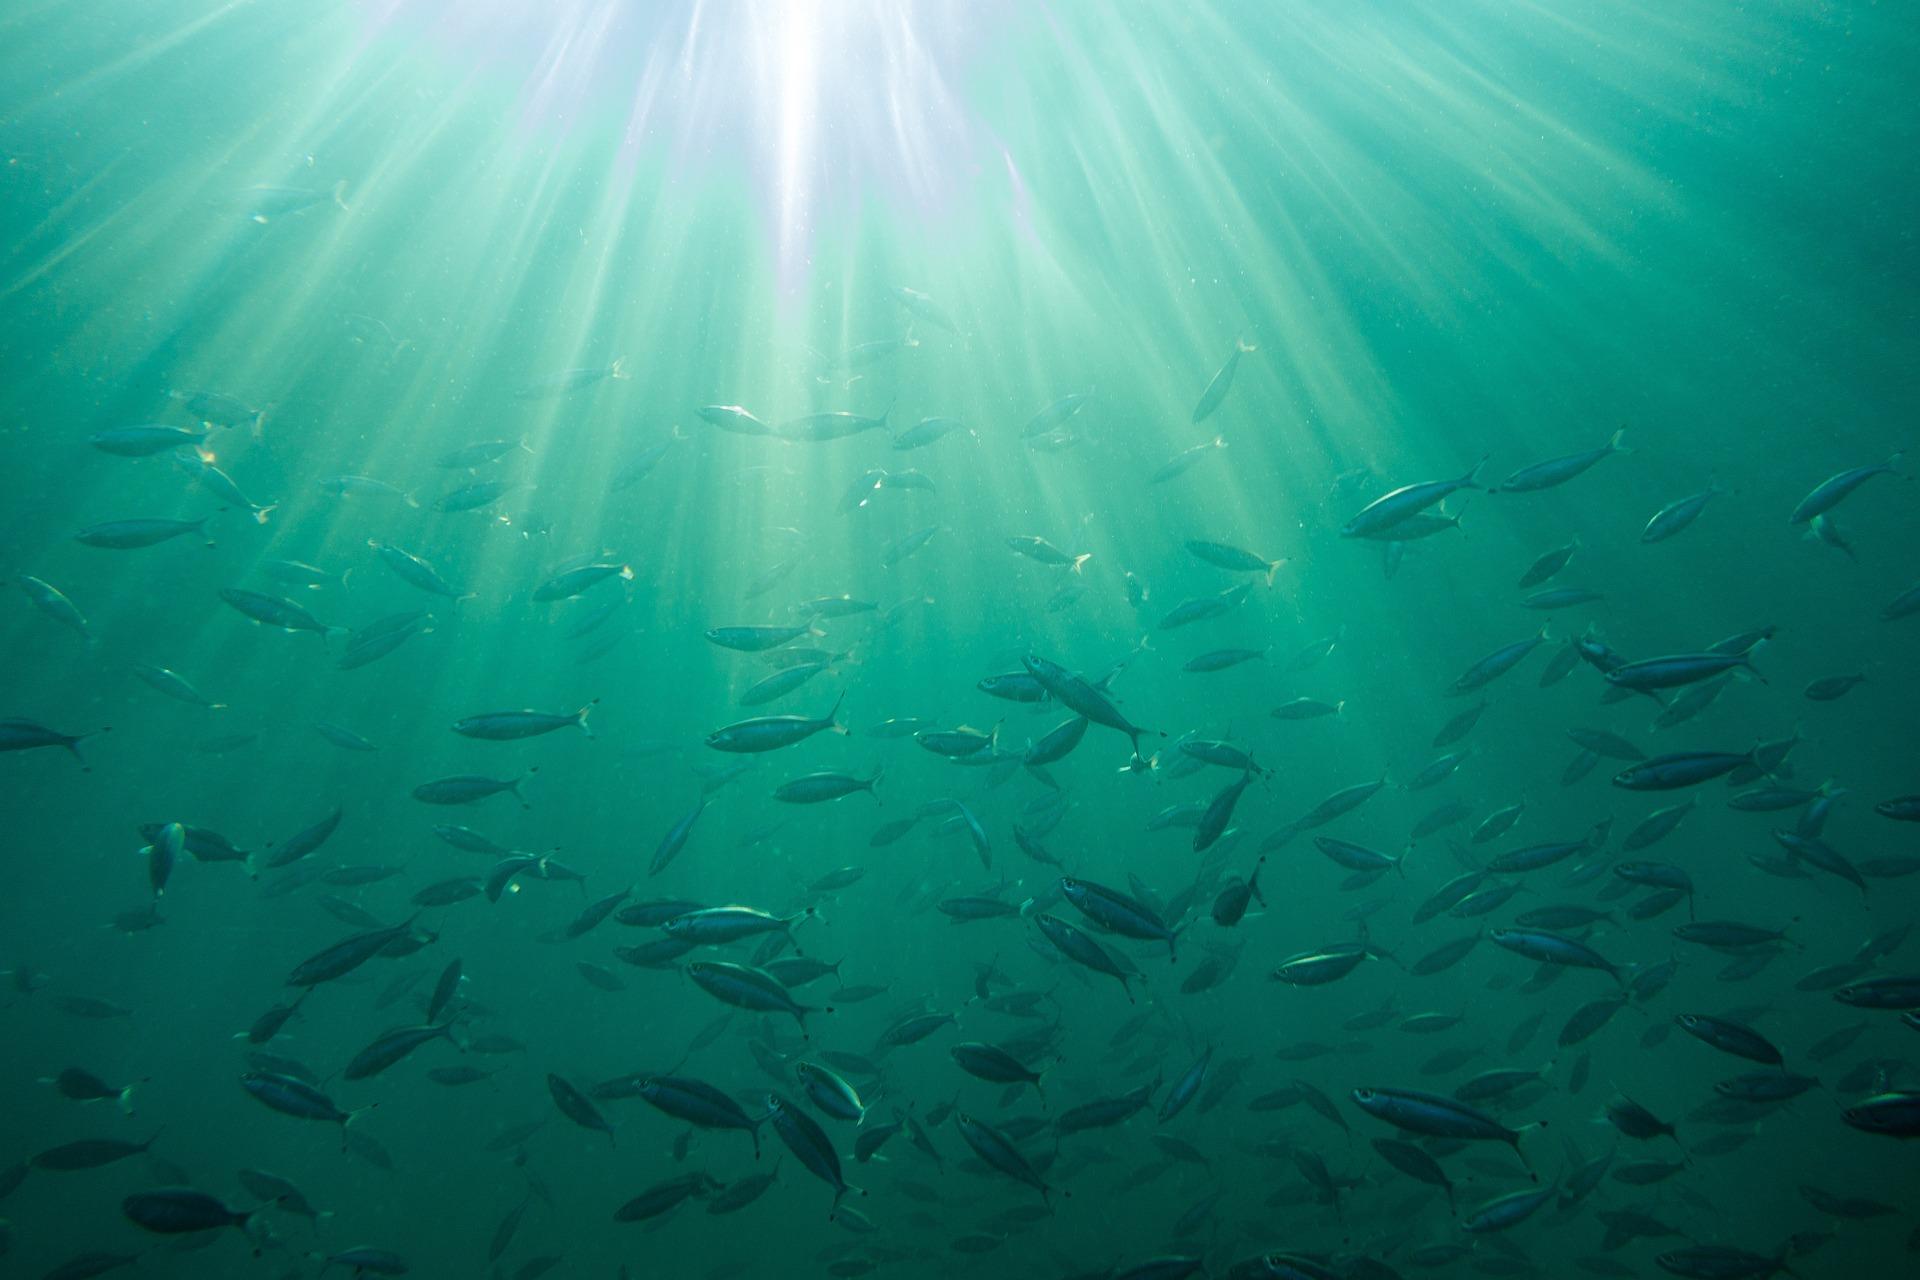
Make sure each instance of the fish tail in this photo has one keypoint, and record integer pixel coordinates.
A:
(580, 717)
(73, 744)
(618, 369)
(1472, 479)
(260, 514)
(1614, 445)
(1081, 559)
(1273, 567)
(339, 194)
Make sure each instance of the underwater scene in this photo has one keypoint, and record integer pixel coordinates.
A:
(833, 638)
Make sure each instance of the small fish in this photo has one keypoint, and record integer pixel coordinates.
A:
(509, 726)
(1829, 493)
(468, 788)
(1222, 380)
(733, 418)
(1677, 516)
(51, 601)
(569, 381)
(1186, 460)
(1037, 548)
(815, 788)
(1391, 509)
(146, 439)
(175, 686)
(25, 735)
(128, 535)
(1234, 559)
(1557, 471)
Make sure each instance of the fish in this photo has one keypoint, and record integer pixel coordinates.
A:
(569, 382)
(146, 439)
(1496, 664)
(1222, 381)
(1678, 516)
(468, 788)
(509, 726)
(54, 603)
(1036, 548)
(838, 424)
(1000, 1153)
(1234, 559)
(1557, 471)
(176, 1211)
(1396, 507)
(1829, 493)
(25, 735)
(1186, 460)
(1076, 694)
(1680, 769)
(130, 535)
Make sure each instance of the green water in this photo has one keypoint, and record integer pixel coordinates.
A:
(1450, 231)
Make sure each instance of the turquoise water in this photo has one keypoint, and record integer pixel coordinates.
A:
(329, 250)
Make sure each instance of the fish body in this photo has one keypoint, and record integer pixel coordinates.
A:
(838, 424)
(746, 988)
(1546, 947)
(1222, 381)
(467, 788)
(569, 381)
(1681, 769)
(1433, 1116)
(53, 602)
(128, 535)
(1677, 516)
(146, 439)
(1391, 509)
(1829, 493)
(1557, 471)
(1676, 670)
(272, 611)
(999, 1152)
(1076, 694)
(733, 418)
(1117, 912)
(700, 1104)
(173, 1212)
(808, 1142)
(508, 726)
(25, 735)
(1495, 664)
